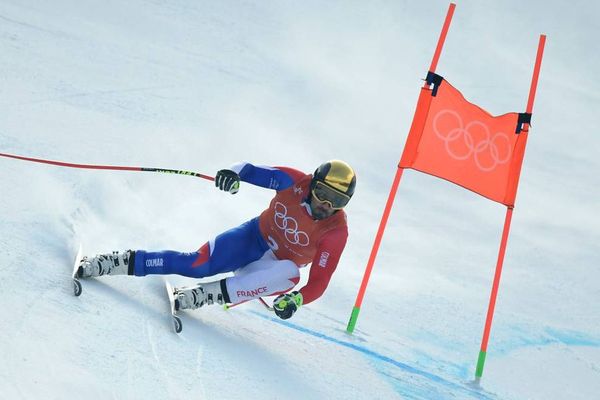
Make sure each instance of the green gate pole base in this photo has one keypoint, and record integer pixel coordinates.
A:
(480, 362)
(353, 318)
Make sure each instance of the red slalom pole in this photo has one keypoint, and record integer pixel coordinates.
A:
(509, 211)
(374, 250)
(536, 73)
(394, 189)
(107, 167)
(442, 39)
(493, 295)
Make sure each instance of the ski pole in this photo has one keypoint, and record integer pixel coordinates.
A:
(108, 167)
(263, 302)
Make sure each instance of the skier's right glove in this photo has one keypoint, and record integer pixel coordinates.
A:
(285, 305)
(228, 181)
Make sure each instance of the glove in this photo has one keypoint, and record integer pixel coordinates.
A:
(285, 305)
(228, 181)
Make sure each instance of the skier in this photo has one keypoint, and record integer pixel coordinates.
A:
(304, 223)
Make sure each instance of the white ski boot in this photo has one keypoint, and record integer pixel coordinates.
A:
(106, 264)
(196, 296)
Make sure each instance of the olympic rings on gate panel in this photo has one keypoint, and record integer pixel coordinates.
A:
(496, 146)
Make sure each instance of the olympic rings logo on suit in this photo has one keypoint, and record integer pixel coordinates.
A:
(498, 145)
(290, 226)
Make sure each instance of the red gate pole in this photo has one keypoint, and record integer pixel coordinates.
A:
(442, 39)
(394, 189)
(496, 284)
(494, 294)
(374, 250)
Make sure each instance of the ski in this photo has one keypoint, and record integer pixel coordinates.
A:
(76, 284)
(176, 320)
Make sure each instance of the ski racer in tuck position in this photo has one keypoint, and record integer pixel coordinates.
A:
(304, 223)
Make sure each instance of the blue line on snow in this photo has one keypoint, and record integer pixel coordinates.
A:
(371, 353)
(548, 336)
(573, 338)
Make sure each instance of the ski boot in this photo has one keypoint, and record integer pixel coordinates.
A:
(107, 264)
(196, 296)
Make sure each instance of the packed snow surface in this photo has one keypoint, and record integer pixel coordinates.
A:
(200, 85)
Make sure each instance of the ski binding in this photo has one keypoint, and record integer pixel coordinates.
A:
(76, 284)
(176, 320)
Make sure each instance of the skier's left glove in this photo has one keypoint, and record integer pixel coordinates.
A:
(285, 305)
(228, 181)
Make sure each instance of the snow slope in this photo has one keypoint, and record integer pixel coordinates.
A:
(202, 85)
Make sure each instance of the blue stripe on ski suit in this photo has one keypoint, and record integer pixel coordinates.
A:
(231, 249)
(263, 176)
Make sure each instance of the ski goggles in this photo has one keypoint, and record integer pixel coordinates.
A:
(335, 198)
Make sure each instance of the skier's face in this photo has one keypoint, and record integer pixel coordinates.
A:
(320, 210)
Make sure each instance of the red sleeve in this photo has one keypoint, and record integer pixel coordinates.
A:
(329, 251)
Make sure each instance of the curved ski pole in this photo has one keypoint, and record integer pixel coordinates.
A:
(262, 301)
(108, 167)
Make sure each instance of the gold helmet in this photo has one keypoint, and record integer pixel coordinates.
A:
(334, 182)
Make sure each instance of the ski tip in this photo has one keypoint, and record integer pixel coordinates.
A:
(177, 324)
(76, 287)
